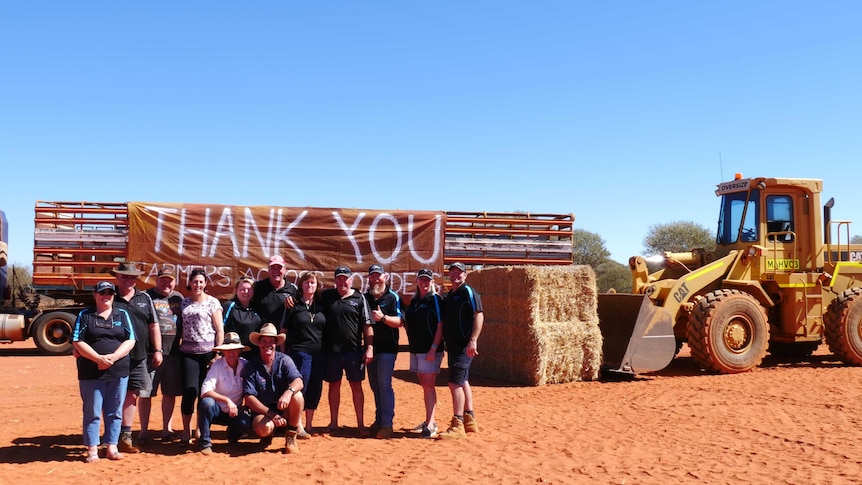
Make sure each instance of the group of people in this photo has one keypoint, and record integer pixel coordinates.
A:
(257, 362)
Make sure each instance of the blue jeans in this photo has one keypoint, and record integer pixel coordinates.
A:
(103, 396)
(311, 367)
(380, 372)
(210, 413)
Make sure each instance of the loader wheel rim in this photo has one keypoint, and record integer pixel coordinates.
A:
(738, 334)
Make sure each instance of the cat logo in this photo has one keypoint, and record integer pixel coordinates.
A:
(779, 264)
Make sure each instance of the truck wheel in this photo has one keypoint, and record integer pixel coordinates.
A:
(728, 332)
(844, 326)
(53, 332)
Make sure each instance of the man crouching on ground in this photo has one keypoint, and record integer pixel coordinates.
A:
(272, 386)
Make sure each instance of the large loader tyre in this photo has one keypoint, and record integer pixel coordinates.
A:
(53, 332)
(844, 326)
(728, 332)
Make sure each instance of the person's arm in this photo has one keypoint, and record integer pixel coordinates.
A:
(294, 387)
(438, 339)
(155, 334)
(218, 324)
(472, 344)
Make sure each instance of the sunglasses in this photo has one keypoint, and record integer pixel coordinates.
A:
(106, 292)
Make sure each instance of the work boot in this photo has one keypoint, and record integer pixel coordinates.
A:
(125, 444)
(384, 433)
(470, 423)
(290, 446)
(455, 431)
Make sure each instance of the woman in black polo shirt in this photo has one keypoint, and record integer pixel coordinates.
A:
(102, 340)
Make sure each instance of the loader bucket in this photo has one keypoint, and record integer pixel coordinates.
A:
(637, 335)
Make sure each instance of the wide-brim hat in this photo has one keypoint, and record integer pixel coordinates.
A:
(267, 330)
(232, 342)
(127, 268)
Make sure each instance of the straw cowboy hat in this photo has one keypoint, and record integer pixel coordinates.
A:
(232, 342)
(127, 268)
(267, 330)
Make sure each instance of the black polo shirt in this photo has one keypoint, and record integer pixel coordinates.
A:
(269, 302)
(421, 319)
(458, 310)
(385, 337)
(345, 319)
(142, 313)
(104, 336)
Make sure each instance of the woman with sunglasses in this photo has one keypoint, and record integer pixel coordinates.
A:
(102, 339)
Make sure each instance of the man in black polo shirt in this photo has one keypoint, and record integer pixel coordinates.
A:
(385, 308)
(347, 322)
(140, 307)
(270, 293)
(463, 317)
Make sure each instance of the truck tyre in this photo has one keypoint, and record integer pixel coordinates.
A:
(728, 332)
(844, 326)
(53, 332)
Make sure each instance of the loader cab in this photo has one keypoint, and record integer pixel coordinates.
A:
(781, 216)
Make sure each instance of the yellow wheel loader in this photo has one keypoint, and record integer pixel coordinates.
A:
(780, 279)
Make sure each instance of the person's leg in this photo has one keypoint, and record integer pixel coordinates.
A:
(115, 394)
(145, 400)
(191, 371)
(238, 426)
(332, 375)
(302, 361)
(171, 384)
(374, 384)
(208, 409)
(91, 407)
(168, 405)
(358, 404)
(429, 393)
(385, 373)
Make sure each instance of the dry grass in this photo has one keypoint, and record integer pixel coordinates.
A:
(541, 325)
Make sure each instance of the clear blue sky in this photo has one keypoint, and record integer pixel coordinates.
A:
(613, 111)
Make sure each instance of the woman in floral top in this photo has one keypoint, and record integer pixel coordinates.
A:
(201, 330)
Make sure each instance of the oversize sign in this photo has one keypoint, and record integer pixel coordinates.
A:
(233, 241)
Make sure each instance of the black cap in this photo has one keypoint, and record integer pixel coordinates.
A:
(342, 270)
(104, 285)
(425, 273)
(375, 268)
(458, 265)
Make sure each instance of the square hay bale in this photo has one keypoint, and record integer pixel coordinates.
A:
(541, 324)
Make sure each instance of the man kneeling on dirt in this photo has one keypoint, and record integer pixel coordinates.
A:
(272, 386)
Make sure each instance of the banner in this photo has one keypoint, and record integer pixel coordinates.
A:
(233, 241)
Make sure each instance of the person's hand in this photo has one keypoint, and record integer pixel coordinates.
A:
(431, 355)
(289, 302)
(377, 314)
(104, 362)
(284, 400)
(279, 421)
(158, 358)
(472, 349)
(232, 410)
(369, 355)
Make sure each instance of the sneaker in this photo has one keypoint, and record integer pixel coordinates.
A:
(126, 446)
(302, 434)
(290, 446)
(470, 423)
(419, 428)
(429, 431)
(455, 431)
(384, 433)
(207, 450)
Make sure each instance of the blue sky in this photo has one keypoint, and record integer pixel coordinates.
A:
(614, 111)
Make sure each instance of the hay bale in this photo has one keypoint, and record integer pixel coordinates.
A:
(541, 324)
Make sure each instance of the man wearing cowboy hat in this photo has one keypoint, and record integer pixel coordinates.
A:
(140, 307)
(221, 394)
(272, 386)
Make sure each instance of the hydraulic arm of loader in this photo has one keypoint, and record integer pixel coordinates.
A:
(637, 329)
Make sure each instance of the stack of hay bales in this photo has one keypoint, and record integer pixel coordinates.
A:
(541, 324)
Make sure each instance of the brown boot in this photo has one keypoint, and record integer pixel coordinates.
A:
(290, 446)
(470, 423)
(455, 431)
(125, 444)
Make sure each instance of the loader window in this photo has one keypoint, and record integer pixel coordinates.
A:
(731, 226)
(779, 218)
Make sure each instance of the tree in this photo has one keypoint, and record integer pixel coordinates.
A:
(613, 275)
(857, 239)
(678, 236)
(588, 248)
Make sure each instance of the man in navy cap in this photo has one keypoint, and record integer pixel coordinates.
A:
(463, 317)
(348, 344)
(386, 320)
